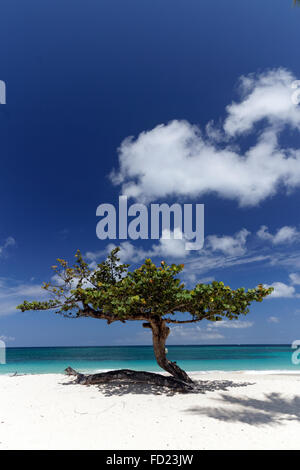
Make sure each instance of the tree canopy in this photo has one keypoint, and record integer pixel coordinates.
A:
(114, 293)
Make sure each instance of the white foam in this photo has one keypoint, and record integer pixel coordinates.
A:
(273, 372)
(249, 371)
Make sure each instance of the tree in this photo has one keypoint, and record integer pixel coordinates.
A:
(153, 294)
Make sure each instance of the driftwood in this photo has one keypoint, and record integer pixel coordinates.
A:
(149, 378)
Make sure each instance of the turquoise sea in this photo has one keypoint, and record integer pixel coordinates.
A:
(191, 358)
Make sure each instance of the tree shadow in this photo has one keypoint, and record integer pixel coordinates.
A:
(273, 409)
(120, 388)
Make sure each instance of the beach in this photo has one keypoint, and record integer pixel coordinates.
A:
(233, 410)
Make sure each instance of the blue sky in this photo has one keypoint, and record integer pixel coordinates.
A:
(81, 78)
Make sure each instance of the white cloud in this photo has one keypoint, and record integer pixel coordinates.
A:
(177, 159)
(284, 234)
(10, 241)
(192, 334)
(128, 253)
(219, 252)
(234, 324)
(58, 281)
(266, 96)
(273, 320)
(12, 295)
(193, 278)
(207, 262)
(179, 334)
(295, 278)
(228, 245)
(281, 290)
(173, 247)
(290, 260)
(96, 255)
(197, 333)
(7, 338)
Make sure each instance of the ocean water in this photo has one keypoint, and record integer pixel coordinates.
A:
(191, 358)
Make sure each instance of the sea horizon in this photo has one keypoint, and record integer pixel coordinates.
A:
(148, 345)
(192, 358)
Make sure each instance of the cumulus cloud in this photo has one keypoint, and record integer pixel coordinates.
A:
(267, 96)
(172, 244)
(178, 159)
(229, 245)
(219, 252)
(282, 290)
(285, 234)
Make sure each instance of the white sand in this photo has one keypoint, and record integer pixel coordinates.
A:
(40, 412)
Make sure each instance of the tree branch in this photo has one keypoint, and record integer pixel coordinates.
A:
(168, 320)
(90, 312)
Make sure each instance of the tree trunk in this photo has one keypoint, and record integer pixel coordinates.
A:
(160, 332)
(179, 381)
(122, 375)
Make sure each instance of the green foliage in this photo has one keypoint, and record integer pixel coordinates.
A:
(114, 293)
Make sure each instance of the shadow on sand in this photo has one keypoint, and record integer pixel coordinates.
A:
(119, 388)
(273, 409)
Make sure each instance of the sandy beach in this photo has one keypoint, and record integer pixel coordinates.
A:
(236, 410)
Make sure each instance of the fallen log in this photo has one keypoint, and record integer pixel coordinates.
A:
(134, 376)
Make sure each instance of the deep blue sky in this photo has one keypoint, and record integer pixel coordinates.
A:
(81, 76)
